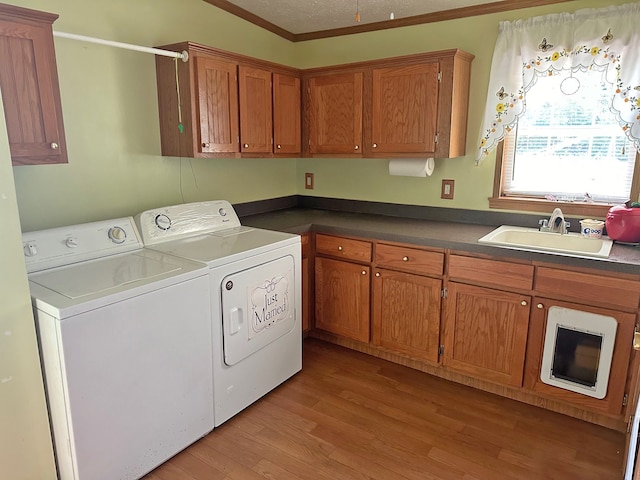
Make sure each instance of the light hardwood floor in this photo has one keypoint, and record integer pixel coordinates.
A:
(351, 416)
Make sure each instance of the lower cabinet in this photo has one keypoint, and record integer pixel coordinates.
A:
(485, 333)
(342, 298)
(613, 401)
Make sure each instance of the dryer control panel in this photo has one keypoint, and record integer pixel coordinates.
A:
(185, 220)
(55, 247)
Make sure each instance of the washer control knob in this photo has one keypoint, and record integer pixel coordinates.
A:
(163, 222)
(117, 235)
(30, 249)
(222, 212)
(71, 242)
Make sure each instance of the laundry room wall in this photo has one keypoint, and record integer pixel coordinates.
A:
(110, 113)
(369, 179)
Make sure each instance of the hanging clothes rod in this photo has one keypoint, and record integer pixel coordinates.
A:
(184, 56)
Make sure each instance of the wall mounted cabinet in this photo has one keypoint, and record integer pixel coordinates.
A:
(407, 106)
(30, 89)
(226, 105)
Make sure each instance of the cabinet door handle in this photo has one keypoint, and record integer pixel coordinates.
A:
(377, 274)
(356, 147)
(364, 272)
(205, 145)
(54, 146)
(523, 303)
(246, 145)
(540, 306)
(375, 145)
(405, 259)
(340, 248)
(279, 146)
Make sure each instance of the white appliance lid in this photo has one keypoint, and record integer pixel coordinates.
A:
(72, 289)
(227, 245)
(89, 278)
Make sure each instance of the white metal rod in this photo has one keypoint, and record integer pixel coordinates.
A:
(156, 51)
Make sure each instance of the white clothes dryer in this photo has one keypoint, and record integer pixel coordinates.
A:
(125, 343)
(255, 294)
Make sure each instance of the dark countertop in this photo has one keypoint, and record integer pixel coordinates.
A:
(456, 236)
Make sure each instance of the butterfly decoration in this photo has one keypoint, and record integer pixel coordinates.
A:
(608, 37)
(500, 93)
(544, 46)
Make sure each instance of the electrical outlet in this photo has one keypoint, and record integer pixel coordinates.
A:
(447, 189)
(308, 181)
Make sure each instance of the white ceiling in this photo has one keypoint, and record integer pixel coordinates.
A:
(304, 16)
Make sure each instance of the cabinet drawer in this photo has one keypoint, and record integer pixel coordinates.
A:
(492, 272)
(409, 259)
(347, 248)
(587, 287)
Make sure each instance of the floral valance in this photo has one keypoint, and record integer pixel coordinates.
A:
(607, 39)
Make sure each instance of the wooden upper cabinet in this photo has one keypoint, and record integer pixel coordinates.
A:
(256, 124)
(30, 89)
(217, 89)
(335, 114)
(405, 109)
(286, 114)
(415, 105)
(229, 105)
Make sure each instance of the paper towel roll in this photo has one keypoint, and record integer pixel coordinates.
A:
(411, 167)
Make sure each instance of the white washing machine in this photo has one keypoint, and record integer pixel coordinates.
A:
(256, 296)
(125, 343)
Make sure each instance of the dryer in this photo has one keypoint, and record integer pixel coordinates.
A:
(125, 343)
(255, 296)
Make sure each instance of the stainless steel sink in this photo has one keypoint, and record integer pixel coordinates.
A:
(531, 239)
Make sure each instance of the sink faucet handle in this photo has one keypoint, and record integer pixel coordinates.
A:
(544, 223)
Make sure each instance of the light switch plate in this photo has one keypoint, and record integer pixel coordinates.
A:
(447, 189)
(308, 181)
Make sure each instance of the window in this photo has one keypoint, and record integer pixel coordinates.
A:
(560, 146)
(567, 146)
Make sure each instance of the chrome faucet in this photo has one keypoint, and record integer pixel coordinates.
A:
(555, 224)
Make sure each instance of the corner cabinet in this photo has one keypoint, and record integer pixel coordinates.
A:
(342, 284)
(30, 89)
(407, 106)
(221, 104)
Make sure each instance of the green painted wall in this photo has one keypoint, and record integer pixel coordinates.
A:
(369, 179)
(115, 167)
(111, 116)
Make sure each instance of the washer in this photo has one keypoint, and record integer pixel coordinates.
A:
(125, 343)
(255, 301)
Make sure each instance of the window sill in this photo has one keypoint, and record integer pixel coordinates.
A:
(585, 210)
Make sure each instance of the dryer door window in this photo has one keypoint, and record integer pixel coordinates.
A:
(258, 307)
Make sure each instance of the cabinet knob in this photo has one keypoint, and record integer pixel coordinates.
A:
(405, 259)
(540, 306)
(375, 145)
(523, 303)
(356, 147)
(246, 145)
(54, 146)
(340, 248)
(377, 274)
(205, 145)
(279, 146)
(364, 272)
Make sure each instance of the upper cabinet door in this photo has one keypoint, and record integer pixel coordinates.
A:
(286, 114)
(335, 116)
(217, 89)
(256, 130)
(30, 90)
(405, 109)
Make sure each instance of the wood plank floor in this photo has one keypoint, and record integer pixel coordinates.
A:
(351, 416)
